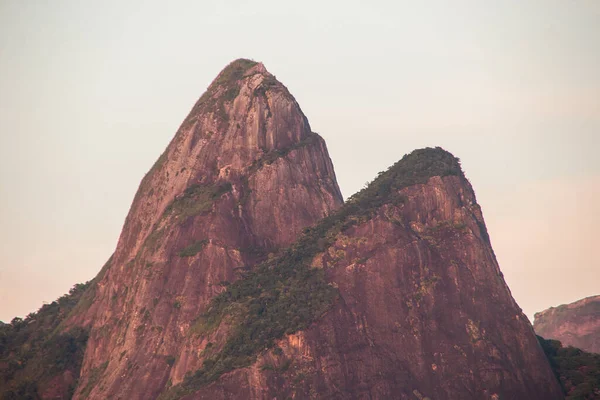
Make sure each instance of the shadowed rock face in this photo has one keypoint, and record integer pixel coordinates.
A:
(241, 178)
(576, 324)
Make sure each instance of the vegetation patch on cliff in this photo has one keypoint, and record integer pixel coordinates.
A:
(234, 71)
(577, 371)
(196, 199)
(285, 294)
(193, 248)
(34, 350)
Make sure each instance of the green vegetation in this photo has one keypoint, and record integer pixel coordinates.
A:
(234, 71)
(196, 199)
(285, 294)
(193, 248)
(577, 370)
(270, 157)
(35, 349)
(282, 368)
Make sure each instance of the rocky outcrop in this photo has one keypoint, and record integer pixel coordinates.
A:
(576, 324)
(421, 312)
(241, 178)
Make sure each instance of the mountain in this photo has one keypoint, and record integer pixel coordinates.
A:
(576, 324)
(241, 178)
(240, 273)
(39, 358)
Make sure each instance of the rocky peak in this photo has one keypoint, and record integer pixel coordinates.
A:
(246, 120)
(242, 177)
(576, 324)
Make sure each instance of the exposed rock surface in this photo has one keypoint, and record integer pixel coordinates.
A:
(241, 178)
(239, 274)
(576, 324)
(423, 310)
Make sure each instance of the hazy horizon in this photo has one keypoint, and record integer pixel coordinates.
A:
(91, 95)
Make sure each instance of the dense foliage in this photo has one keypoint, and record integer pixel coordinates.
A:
(34, 350)
(285, 294)
(578, 371)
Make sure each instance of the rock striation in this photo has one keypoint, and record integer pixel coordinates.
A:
(576, 324)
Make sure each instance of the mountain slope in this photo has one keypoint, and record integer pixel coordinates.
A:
(411, 299)
(576, 324)
(37, 358)
(242, 177)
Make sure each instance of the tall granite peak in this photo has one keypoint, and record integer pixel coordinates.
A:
(243, 176)
(576, 324)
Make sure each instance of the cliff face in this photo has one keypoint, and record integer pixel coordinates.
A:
(576, 324)
(420, 308)
(241, 178)
(239, 274)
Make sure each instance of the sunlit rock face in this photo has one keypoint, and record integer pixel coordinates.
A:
(423, 313)
(241, 178)
(576, 324)
(239, 273)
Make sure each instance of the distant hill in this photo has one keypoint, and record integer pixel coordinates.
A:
(576, 324)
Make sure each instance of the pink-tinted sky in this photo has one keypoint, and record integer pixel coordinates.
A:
(91, 93)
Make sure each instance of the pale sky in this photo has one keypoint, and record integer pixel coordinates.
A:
(92, 92)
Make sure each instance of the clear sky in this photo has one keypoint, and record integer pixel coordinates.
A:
(92, 92)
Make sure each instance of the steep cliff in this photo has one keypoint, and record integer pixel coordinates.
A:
(578, 371)
(576, 324)
(239, 274)
(241, 178)
(398, 295)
